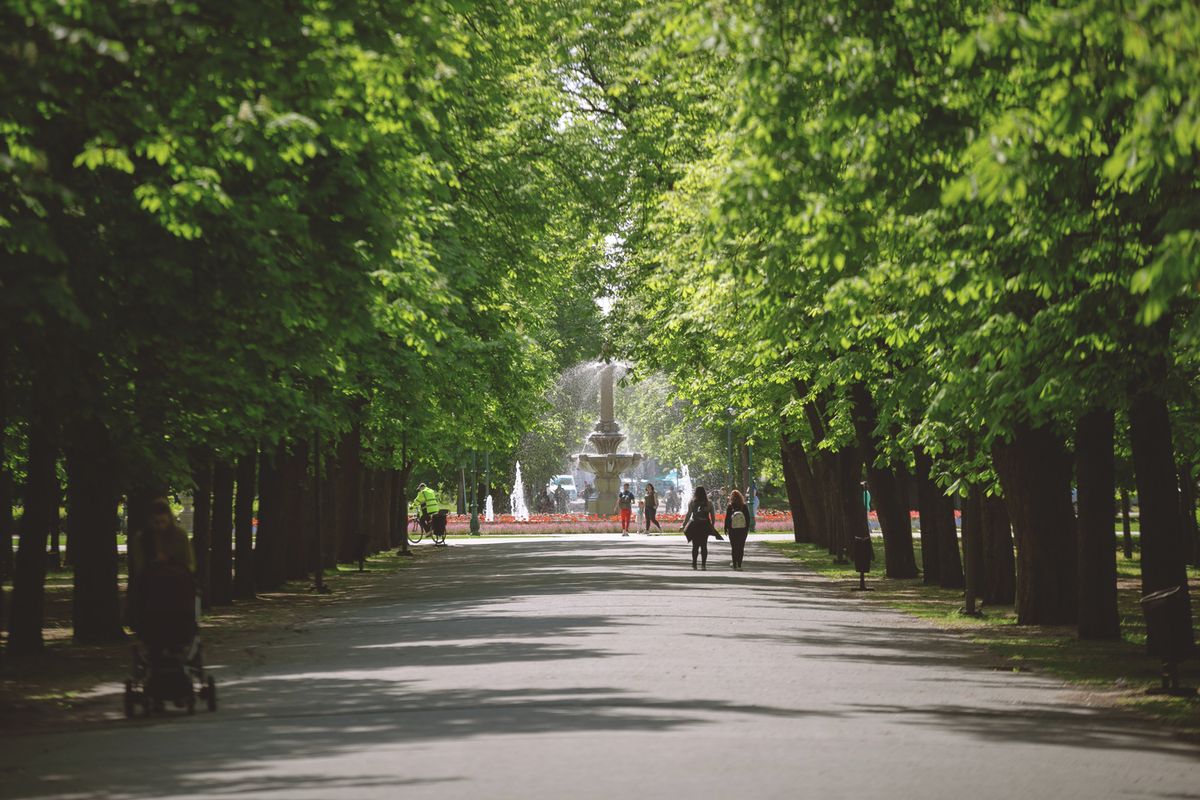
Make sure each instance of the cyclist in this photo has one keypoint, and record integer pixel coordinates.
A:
(427, 504)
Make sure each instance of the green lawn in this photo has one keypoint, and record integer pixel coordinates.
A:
(1119, 666)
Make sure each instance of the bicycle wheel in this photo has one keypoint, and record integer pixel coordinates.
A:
(415, 533)
(438, 538)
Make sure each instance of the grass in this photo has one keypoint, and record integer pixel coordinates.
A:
(1119, 668)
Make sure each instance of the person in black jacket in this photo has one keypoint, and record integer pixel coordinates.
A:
(737, 526)
(698, 526)
(651, 506)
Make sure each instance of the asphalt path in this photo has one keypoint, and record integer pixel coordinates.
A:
(606, 667)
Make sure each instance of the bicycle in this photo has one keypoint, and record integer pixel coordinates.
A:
(418, 530)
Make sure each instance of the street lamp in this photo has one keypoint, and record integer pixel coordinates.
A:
(729, 445)
(474, 493)
(487, 474)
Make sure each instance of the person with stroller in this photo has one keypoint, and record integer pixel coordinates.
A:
(738, 519)
(698, 525)
(159, 540)
(158, 547)
(164, 612)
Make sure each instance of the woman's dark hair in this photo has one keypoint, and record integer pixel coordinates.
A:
(159, 505)
(700, 494)
(650, 489)
(736, 500)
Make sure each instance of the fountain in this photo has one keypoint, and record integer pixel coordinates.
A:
(685, 487)
(520, 511)
(489, 515)
(606, 463)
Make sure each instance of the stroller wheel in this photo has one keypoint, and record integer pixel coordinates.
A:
(211, 693)
(129, 699)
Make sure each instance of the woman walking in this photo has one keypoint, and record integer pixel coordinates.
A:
(651, 503)
(737, 526)
(698, 525)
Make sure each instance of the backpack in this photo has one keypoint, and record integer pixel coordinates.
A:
(737, 520)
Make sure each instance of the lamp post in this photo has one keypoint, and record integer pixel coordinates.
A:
(474, 493)
(753, 487)
(729, 446)
(487, 473)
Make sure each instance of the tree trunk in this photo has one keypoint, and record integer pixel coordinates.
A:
(825, 469)
(828, 479)
(1035, 472)
(999, 584)
(372, 510)
(1095, 470)
(907, 491)
(1127, 528)
(202, 482)
(809, 487)
(928, 507)
(853, 508)
(92, 499)
(349, 504)
(1163, 559)
(972, 544)
(383, 508)
(243, 526)
(402, 477)
(329, 510)
(7, 527)
(295, 517)
(394, 532)
(898, 558)
(56, 526)
(950, 565)
(269, 545)
(29, 577)
(800, 530)
(1187, 507)
(317, 550)
(221, 563)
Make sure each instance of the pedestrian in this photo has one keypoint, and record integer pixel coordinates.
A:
(156, 541)
(698, 525)
(625, 508)
(738, 519)
(651, 504)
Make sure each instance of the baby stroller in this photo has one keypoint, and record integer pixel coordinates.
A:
(167, 661)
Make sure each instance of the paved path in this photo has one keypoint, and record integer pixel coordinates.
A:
(606, 668)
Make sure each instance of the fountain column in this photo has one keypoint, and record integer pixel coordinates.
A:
(606, 398)
(606, 463)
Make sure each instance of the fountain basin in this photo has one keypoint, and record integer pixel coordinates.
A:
(607, 467)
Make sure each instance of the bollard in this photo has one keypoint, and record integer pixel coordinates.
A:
(1166, 616)
(863, 556)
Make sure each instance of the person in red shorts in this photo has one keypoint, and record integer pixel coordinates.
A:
(625, 501)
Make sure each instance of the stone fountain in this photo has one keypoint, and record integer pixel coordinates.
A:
(606, 463)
